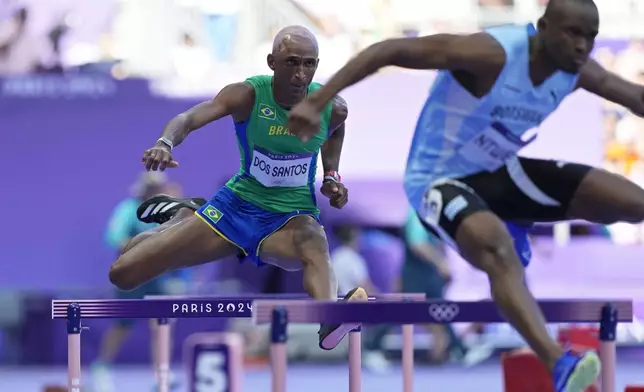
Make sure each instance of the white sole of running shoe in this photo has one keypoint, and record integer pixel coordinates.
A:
(585, 373)
(335, 337)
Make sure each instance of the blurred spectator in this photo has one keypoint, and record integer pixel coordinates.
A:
(625, 146)
(54, 38)
(191, 61)
(21, 51)
(620, 149)
(629, 62)
(122, 227)
(626, 152)
(611, 115)
(351, 271)
(255, 338)
(624, 140)
(349, 265)
(425, 270)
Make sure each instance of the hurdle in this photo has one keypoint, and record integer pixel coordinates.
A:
(279, 338)
(607, 313)
(163, 354)
(164, 308)
(279, 320)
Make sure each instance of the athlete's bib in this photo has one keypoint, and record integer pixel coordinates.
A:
(491, 148)
(280, 170)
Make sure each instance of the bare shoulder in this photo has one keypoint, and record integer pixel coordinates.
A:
(339, 113)
(466, 52)
(592, 74)
(240, 93)
(340, 110)
(239, 98)
(481, 49)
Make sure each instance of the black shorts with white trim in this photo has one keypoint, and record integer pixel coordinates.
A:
(524, 191)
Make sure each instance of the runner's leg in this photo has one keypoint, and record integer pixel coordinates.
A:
(606, 198)
(302, 244)
(181, 242)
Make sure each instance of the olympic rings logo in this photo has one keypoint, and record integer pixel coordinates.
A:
(443, 313)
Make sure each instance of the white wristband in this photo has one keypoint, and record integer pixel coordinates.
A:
(166, 142)
(330, 178)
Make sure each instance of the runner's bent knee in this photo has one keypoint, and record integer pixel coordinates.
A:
(485, 242)
(456, 213)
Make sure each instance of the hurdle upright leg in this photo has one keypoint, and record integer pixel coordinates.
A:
(608, 346)
(278, 354)
(408, 357)
(355, 360)
(74, 328)
(162, 343)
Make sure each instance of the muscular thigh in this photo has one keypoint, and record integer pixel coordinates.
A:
(189, 242)
(459, 216)
(605, 197)
(299, 240)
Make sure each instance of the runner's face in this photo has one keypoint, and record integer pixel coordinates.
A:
(295, 65)
(570, 38)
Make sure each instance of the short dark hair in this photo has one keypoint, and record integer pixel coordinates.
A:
(556, 8)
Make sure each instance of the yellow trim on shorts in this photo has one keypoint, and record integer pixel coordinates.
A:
(220, 233)
(259, 245)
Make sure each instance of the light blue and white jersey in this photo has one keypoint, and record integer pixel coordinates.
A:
(458, 134)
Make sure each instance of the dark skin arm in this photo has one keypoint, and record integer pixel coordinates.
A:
(331, 150)
(234, 100)
(477, 58)
(596, 79)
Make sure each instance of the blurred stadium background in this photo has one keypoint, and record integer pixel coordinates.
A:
(86, 86)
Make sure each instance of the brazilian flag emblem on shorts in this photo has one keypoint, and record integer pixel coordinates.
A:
(267, 112)
(213, 214)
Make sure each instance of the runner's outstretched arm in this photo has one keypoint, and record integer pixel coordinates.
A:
(229, 99)
(473, 53)
(608, 85)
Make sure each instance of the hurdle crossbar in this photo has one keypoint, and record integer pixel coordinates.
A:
(184, 307)
(256, 297)
(308, 311)
(429, 312)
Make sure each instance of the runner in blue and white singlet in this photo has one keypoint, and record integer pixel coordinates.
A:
(464, 177)
(458, 134)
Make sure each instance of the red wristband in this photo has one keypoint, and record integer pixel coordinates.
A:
(332, 175)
